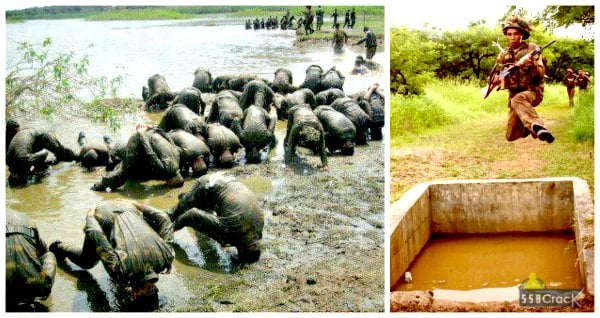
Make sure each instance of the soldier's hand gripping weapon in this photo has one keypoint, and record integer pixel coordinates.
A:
(496, 77)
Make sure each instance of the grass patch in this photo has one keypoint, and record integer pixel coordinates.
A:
(452, 133)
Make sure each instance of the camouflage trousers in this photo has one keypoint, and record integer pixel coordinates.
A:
(522, 115)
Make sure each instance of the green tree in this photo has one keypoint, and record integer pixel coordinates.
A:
(565, 16)
(570, 53)
(413, 59)
(40, 82)
(468, 53)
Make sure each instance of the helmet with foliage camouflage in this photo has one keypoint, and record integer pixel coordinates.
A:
(515, 22)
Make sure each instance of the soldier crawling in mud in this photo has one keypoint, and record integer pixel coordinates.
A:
(525, 85)
(150, 154)
(132, 240)
(28, 150)
(30, 267)
(225, 210)
(95, 154)
(304, 129)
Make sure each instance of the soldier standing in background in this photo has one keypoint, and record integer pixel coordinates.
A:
(569, 81)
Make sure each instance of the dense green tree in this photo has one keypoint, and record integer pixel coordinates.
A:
(565, 16)
(570, 53)
(468, 53)
(413, 59)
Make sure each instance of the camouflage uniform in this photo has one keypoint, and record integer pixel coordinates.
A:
(225, 210)
(150, 154)
(28, 149)
(569, 81)
(370, 43)
(30, 268)
(305, 130)
(526, 91)
(339, 39)
(133, 242)
(582, 80)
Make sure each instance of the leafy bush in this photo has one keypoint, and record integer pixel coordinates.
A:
(39, 82)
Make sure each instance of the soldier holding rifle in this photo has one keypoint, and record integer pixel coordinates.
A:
(520, 69)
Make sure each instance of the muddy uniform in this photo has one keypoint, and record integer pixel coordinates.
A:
(370, 43)
(29, 148)
(305, 130)
(319, 13)
(339, 39)
(225, 210)
(569, 81)
(30, 268)
(526, 91)
(134, 243)
(150, 154)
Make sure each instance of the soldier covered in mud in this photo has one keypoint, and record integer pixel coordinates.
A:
(132, 240)
(30, 267)
(339, 130)
(370, 41)
(257, 92)
(339, 39)
(150, 154)
(28, 152)
(94, 154)
(224, 209)
(376, 99)
(158, 94)
(192, 98)
(194, 153)
(569, 82)
(305, 130)
(582, 80)
(258, 132)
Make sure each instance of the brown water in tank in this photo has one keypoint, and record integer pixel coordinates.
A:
(475, 261)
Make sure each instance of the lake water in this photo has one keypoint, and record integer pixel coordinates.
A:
(136, 50)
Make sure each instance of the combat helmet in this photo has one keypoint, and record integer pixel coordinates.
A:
(515, 22)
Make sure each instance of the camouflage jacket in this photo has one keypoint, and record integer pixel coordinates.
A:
(131, 243)
(525, 78)
(30, 268)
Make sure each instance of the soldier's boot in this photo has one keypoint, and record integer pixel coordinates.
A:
(543, 134)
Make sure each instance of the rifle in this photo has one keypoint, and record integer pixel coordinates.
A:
(533, 54)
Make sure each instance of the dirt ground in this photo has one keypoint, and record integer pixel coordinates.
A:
(424, 302)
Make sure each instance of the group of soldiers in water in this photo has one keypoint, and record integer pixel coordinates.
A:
(133, 240)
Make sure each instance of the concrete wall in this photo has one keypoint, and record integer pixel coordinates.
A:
(496, 206)
(492, 206)
(411, 228)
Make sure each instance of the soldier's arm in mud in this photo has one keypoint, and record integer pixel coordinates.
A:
(114, 179)
(158, 220)
(96, 246)
(290, 145)
(323, 150)
(201, 221)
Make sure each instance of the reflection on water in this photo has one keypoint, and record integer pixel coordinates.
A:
(465, 262)
(138, 49)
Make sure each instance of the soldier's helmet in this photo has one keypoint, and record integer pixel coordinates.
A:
(515, 22)
(569, 70)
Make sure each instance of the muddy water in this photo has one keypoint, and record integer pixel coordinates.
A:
(323, 235)
(458, 262)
